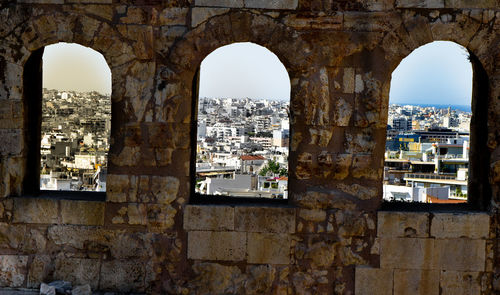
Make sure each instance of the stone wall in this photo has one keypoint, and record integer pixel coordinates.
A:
(147, 236)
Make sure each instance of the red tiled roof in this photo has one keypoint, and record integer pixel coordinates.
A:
(283, 178)
(251, 157)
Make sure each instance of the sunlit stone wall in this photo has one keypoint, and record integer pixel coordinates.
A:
(331, 237)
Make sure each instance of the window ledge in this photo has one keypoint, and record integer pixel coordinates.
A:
(198, 199)
(68, 195)
(57, 210)
(269, 219)
(427, 207)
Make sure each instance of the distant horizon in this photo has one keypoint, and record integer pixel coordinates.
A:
(460, 107)
(66, 90)
(252, 98)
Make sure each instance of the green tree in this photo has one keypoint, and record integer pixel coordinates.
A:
(273, 167)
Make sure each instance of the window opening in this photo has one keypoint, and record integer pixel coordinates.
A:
(75, 119)
(428, 128)
(243, 129)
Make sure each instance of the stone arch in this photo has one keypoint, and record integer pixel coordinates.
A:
(239, 27)
(128, 51)
(185, 58)
(285, 43)
(32, 106)
(418, 32)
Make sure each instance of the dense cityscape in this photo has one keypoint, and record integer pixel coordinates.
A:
(242, 148)
(75, 140)
(427, 154)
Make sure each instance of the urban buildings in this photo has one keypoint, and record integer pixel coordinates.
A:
(427, 160)
(75, 140)
(242, 147)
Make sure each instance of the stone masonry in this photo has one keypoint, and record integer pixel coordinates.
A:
(333, 236)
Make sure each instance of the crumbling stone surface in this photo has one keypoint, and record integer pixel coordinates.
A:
(148, 237)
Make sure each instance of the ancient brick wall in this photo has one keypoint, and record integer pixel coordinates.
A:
(331, 238)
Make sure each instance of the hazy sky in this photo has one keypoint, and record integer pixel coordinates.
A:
(244, 70)
(75, 67)
(436, 73)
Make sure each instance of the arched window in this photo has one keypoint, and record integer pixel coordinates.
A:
(69, 119)
(243, 126)
(429, 130)
(428, 126)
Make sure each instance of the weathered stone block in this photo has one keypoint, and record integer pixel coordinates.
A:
(415, 282)
(174, 16)
(103, 11)
(359, 191)
(117, 187)
(369, 22)
(134, 214)
(78, 271)
(460, 283)
(359, 141)
(39, 270)
(403, 224)
(420, 3)
(82, 212)
(261, 219)
(380, 5)
(319, 252)
(491, 4)
(12, 270)
(220, 3)
(11, 236)
(333, 199)
(122, 275)
(408, 253)
(330, 22)
(41, 1)
(460, 225)
(208, 217)
(129, 156)
(34, 240)
(461, 254)
(136, 15)
(272, 4)
(126, 245)
(201, 14)
(362, 167)
(12, 142)
(160, 217)
(348, 80)
(90, 1)
(343, 112)
(359, 85)
(370, 281)
(33, 210)
(214, 278)
(11, 119)
(212, 245)
(315, 215)
(80, 237)
(164, 189)
(267, 248)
